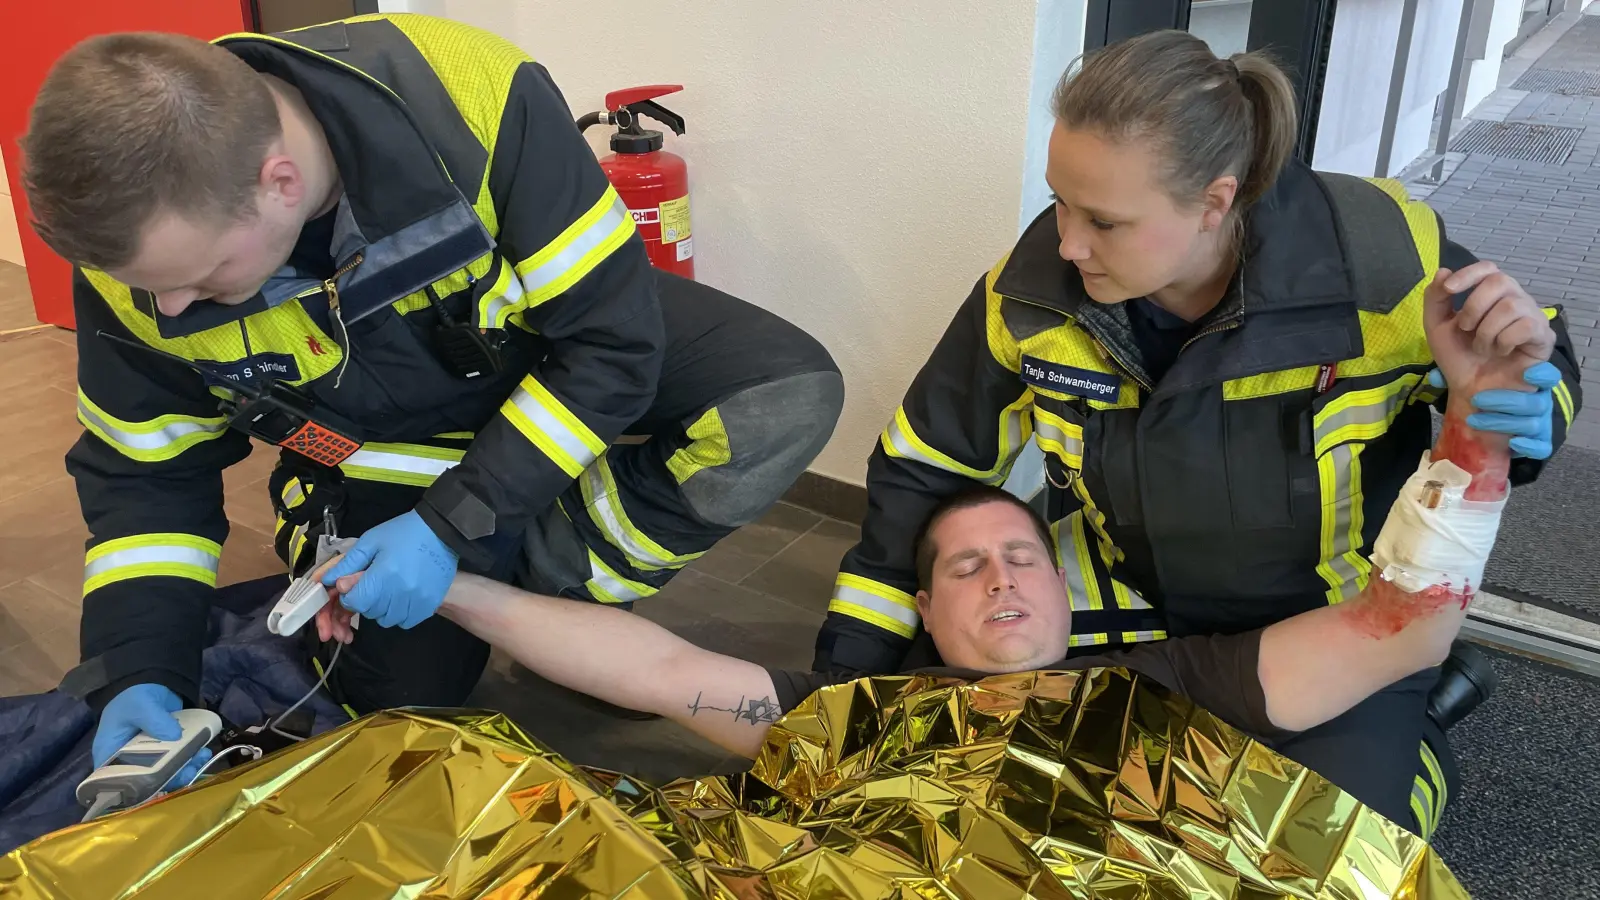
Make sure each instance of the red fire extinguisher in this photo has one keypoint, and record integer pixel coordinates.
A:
(653, 182)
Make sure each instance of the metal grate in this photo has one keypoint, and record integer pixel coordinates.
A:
(1556, 81)
(1518, 140)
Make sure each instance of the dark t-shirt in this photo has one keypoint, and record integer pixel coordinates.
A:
(1158, 334)
(1217, 672)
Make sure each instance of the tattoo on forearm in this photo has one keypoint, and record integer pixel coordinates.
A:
(756, 711)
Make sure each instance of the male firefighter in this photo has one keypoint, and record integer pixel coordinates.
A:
(383, 235)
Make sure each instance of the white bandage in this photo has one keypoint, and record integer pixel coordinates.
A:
(1420, 548)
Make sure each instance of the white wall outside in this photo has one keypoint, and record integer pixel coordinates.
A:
(1360, 69)
(854, 171)
(1483, 75)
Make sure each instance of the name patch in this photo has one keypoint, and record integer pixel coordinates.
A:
(259, 368)
(1070, 380)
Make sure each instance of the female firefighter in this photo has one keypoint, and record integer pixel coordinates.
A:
(1222, 354)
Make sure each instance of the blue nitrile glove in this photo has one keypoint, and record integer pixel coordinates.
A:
(147, 708)
(408, 570)
(1526, 417)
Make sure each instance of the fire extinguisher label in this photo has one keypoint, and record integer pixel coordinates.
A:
(645, 216)
(675, 220)
(685, 249)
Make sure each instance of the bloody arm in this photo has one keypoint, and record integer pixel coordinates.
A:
(1321, 663)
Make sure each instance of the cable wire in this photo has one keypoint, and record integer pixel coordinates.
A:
(102, 802)
(273, 726)
(253, 752)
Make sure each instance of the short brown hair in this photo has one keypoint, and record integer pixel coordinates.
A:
(129, 124)
(1208, 117)
(927, 552)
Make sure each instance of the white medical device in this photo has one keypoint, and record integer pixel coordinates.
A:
(145, 765)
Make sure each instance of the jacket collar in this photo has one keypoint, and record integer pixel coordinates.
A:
(1293, 297)
(406, 239)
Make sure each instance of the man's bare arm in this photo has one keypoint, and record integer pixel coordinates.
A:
(622, 659)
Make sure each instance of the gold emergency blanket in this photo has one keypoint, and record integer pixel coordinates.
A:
(1051, 785)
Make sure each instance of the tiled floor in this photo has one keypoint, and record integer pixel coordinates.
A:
(761, 594)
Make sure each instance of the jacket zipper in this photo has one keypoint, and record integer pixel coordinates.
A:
(331, 287)
(1232, 322)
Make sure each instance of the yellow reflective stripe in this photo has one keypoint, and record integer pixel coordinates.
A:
(1342, 565)
(1436, 774)
(161, 438)
(456, 435)
(577, 250)
(1087, 582)
(708, 449)
(901, 441)
(1056, 435)
(1071, 559)
(1422, 807)
(141, 555)
(551, 427)
(1361, 415)
(875, 603)
(412, 464)
(293, 493)
(609, 587)
(503, 298)
(600, 495)
(1109, 552)
(1088, 640)
(1563, 396)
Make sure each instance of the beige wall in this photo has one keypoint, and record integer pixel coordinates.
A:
(10, 243)
(855, 167)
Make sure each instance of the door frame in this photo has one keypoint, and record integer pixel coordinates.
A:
(1296, 32)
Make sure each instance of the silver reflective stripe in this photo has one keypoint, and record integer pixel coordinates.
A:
(904, 447)
(399, 462)
(293, 494)
(552, 428)
(611, 584)
(134, 556)
(609, 515)
(858, 597)
(1069, 533)
(583, 243)
(1047, 430)
(1361, 414)
(1420, 796)
(498, 305)
(164, 436)
(1342, 457)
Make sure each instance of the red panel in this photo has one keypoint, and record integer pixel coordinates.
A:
(36, 32)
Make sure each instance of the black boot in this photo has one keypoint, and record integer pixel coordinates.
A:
(1465, 680)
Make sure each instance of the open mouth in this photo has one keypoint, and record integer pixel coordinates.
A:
(1008, 615)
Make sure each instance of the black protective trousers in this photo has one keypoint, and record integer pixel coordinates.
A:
(1385, 752)
(746, 400)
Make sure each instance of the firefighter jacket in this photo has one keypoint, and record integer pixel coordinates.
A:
(1229, 494)
(469, 195)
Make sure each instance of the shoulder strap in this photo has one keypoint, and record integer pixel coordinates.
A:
(1378, 241)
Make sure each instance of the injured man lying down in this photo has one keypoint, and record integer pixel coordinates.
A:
(994, 601)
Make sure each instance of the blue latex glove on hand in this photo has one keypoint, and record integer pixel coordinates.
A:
(408, 570)
(147, 708)
(1526, 417)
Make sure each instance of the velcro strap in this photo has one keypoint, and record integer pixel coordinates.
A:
(95, 673)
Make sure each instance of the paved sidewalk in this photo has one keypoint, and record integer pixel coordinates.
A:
(1540, 221)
